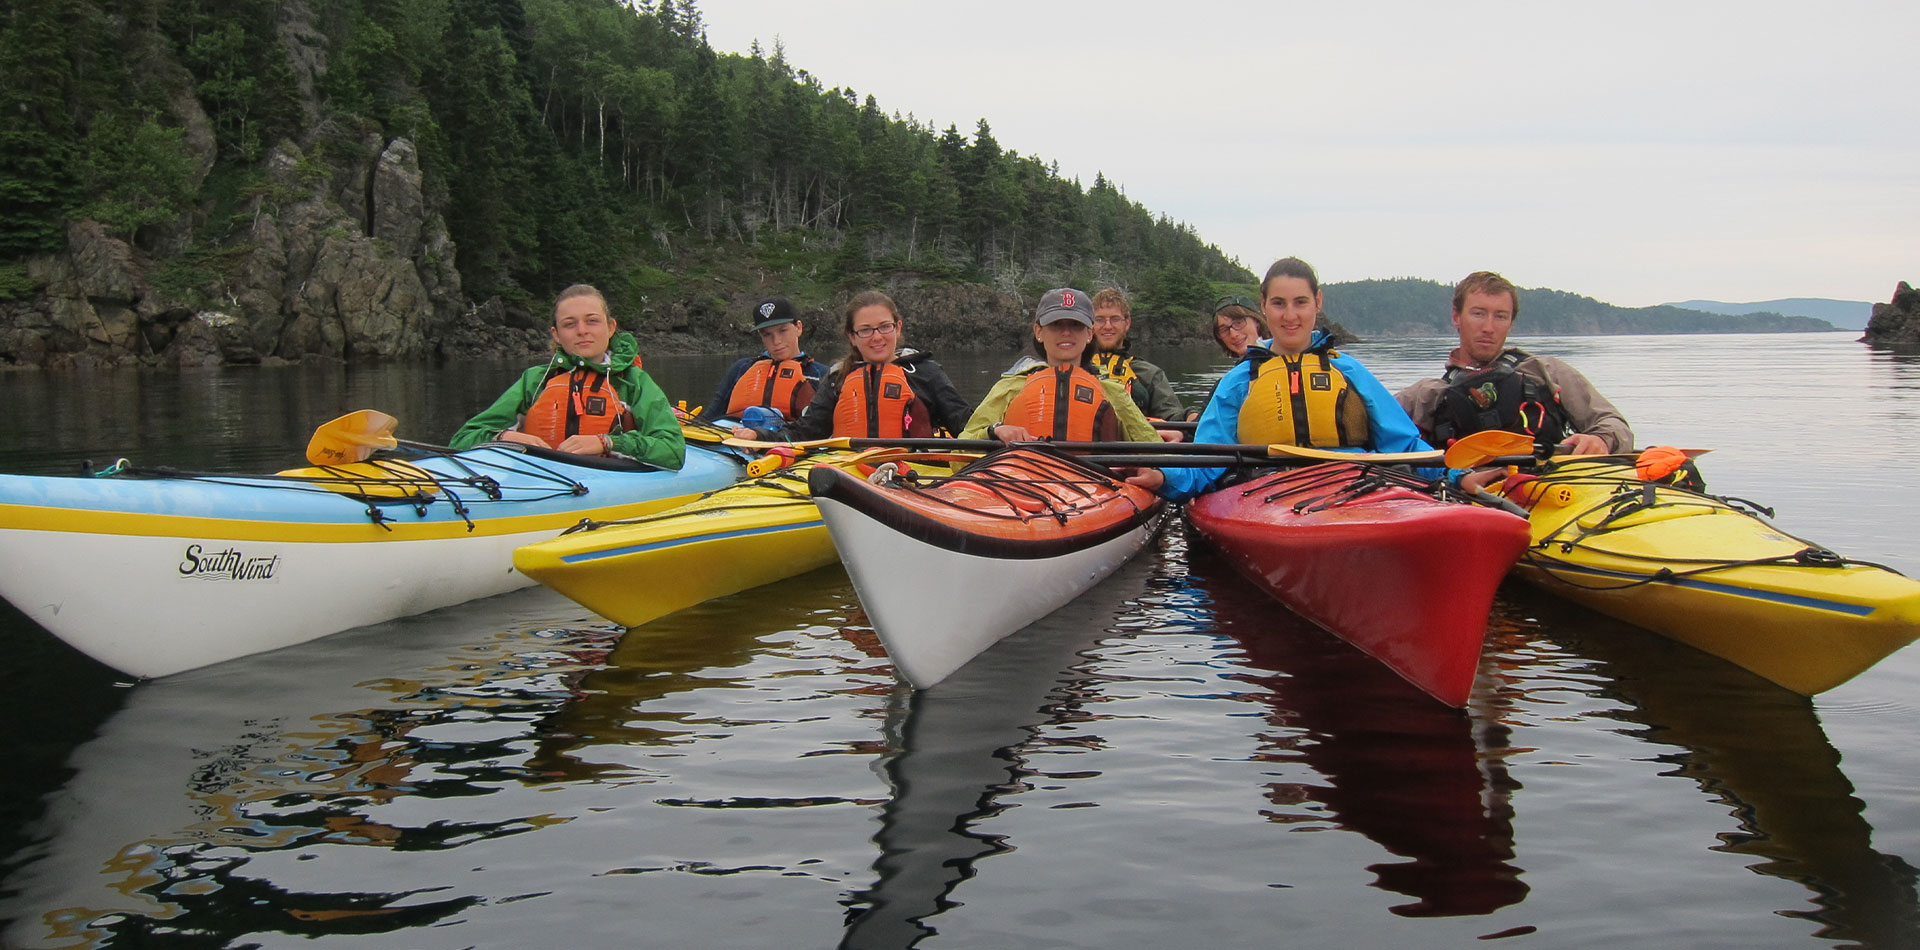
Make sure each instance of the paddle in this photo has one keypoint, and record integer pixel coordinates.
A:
(355, 436)
(1110, 448)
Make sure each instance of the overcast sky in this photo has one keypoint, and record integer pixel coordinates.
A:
(1635, 152)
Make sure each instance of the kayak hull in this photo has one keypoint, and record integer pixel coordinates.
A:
(947, 569)
(1405, 577)
(153, 576)
(1682, 568)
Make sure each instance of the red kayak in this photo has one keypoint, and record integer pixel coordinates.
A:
(1372, 555)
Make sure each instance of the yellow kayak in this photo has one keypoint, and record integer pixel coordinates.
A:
(756, 531)
(1712, 575)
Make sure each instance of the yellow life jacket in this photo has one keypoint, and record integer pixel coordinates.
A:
(1117, 367)
(1302, 400)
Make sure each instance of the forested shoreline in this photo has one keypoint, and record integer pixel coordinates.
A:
(234, 181)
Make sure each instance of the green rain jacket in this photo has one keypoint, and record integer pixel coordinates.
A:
(656, 441)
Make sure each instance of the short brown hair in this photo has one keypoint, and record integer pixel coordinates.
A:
(1485, 282)
(1236, 312)
(1112, 297)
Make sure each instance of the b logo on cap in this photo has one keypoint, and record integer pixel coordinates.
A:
(766, 310)
(1066, 299)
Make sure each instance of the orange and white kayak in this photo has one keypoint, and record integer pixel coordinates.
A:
(948, 566)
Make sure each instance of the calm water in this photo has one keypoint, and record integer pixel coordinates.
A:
(1171, 760)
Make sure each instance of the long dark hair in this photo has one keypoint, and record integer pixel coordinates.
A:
(1290, 267)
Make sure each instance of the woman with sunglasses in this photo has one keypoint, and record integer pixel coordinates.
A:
(1296, 389)
(881, 390)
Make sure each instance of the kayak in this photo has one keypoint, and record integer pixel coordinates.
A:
(948, 566)
(155, 572)
(1712, 574)
(756, 531)
(1374, 557)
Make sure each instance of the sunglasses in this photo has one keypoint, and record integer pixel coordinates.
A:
(1232, 300)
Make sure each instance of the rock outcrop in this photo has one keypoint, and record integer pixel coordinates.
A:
(1896, 323)
(348, 262)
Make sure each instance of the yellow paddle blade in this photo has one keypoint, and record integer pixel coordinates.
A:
(352, 437)
(1280, 449)
(371, 479)
(842, 442)
(1483, 447)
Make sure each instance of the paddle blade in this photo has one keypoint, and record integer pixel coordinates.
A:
(352, 437)
(1480, 448)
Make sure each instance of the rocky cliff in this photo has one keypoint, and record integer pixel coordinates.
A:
(1896, 323)
(345, 260)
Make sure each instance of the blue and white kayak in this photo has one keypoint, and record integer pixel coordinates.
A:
(156, 572)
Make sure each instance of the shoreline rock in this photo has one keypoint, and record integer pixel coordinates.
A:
(1897, 322)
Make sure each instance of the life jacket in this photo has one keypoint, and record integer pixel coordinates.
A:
(1500, 397)
(1301, 400)
(781, 385)
(577, 402)
(1064, 405)
(1117, 367)
(877, 403)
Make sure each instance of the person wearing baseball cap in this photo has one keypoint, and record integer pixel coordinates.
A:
(780, 380)
(1056, 394)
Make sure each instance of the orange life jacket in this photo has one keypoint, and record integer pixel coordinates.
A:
(581, 402)
(1063, 405)
(876, 403)
(781, 385)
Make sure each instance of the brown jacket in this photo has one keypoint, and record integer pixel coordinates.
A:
(1587, 410)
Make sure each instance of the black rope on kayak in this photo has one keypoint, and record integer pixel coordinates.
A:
(1562, 570)
(1353, 484)
(1006, 487)
(408, 476)
(379, 517)
(790, 482)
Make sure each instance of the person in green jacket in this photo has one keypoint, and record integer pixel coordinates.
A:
(591, 398)
(1058, 395)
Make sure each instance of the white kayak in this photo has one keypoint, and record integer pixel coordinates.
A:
(157, 572)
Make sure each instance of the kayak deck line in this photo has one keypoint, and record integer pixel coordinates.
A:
(690, 540)
(1554, 568)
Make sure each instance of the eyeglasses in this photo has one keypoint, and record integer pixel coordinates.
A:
(867, 333)
(1233, 300)
(1108, 321)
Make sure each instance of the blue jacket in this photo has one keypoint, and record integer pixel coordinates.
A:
(1388, 426)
